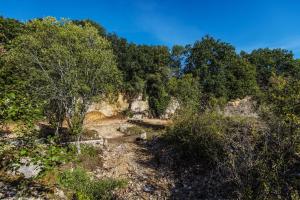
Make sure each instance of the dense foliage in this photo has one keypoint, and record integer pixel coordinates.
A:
(222, 73)
(245, 157)
(242, 157)
(87, 189)
(9, 29)
(55, 68)
(63, 65)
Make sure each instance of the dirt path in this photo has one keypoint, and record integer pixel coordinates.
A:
(144, 164)
(134, 163)
(125, 158)
(107, 128)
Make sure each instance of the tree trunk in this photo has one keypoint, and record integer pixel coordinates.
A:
(57, 130)
(78, 145)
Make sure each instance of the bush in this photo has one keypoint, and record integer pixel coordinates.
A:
(89, 158)
(85, 188)
(203, 137)
(49, 156)
(186, 90)
(158, 104)
(134, 130)
(244, 158)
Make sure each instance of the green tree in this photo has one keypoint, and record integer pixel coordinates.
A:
(177, 59)
(15, 102)
(207, 60)
(155, 60)
(87, 22)
(145, 70)
(130, 62)
(9, 29)
(240, 78)
(280, 147)
(186, 90)
(65, 66)
(268, 61)
(222, 73)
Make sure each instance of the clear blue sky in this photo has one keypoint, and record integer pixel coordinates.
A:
(247, 24)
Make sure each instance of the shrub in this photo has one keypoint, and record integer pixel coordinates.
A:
(244, 158)
(90, 157)
(49, 156)
(85, 188)
(158, 104)
(196, 137)
(134, 130)
(186, 90)
(204, 136)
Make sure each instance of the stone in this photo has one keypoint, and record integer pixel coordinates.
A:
(37, 127)
(60, 194)
(106, 108)
(245, 107)
(16, 143)
(28, 169)
(171, 109)
(123, 128)
(137, 117)
(148, 188)
(105, 143)
(139, 105)
(143, 136)
(40, 141)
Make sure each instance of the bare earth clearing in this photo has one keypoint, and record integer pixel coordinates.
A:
(146, 165)
(125, 158)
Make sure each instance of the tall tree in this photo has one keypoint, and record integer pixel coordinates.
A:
(9, 29)
(268, 61)
(87, 22)
(222, 73)
(177, 59)
(66, 66)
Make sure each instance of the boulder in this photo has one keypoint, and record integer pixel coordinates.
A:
(106, 108)
(123, 128)
(171, 109)
(139, 105)
(28, 169)
(143, 136)
(245, 107)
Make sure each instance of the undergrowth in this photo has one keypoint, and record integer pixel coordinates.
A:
(83, 187)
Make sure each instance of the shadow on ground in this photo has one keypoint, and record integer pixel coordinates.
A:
(187, 178)
(12, 187)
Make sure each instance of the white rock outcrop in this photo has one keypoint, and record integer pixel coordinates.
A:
(171, 109)
(245, 107)
(104, 109)
(139, 105)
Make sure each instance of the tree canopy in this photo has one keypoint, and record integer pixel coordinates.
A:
(222, 73)
(64, 65)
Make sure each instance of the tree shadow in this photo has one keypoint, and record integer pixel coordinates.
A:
(46, 131)
(16, 187)
(186, 178)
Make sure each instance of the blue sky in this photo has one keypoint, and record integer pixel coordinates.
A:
(247, 24)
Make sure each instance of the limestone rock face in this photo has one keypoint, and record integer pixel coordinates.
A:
(139, 105)
(171, 109)
(241, 107)
(103, 109)
(139, 108)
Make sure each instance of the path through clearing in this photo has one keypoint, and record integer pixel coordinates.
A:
(132, 161)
